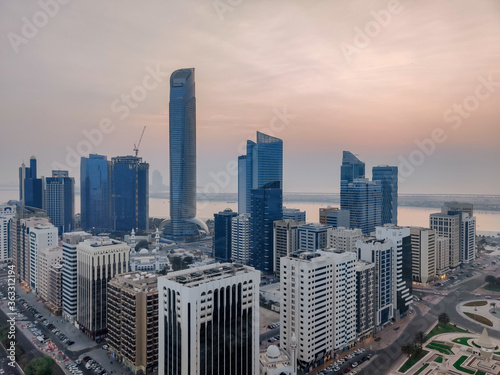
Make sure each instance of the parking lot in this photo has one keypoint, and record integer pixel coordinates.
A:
(347, 364)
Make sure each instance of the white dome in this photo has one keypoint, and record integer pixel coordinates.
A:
(144, 251)
(273, 353)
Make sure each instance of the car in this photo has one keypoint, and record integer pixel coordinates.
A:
(105, 347)
(355, 364)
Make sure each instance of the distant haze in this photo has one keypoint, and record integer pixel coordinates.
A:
(364, 76)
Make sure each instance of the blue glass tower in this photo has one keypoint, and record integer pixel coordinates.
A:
(351, 167)
(95, 193)
(266, 206)
(388, 177)
(130, 193)
(363, 199)
(222, 235)
(182, 117)
(30, 187)
(264, 164)
(60, 200)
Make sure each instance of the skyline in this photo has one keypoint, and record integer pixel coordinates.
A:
(253, 64)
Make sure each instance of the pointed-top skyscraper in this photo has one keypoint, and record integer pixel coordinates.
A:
(351, 167)
(182, 113)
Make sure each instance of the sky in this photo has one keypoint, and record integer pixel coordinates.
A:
(408, 83)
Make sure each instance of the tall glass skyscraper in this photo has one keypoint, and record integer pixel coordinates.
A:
(30, 187)
(266, 207)
(182, 112)
(388, 177)
(223, 235)
(363, 199)
(95, 193)
(59, 198)
(351, 167)
(130, 193)
(263, 164)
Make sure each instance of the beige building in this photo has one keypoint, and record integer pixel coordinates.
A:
(448, 226)
(344, 239)
(423, 250)
(47, 257)
(54, 302)
(133, 320)
(442, 256)
(99, 259)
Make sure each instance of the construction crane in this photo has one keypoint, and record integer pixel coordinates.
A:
(136, 148)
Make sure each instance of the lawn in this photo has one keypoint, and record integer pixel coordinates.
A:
(462, 340)
(412, 360)
(440, 347)
(458, 365)
(480, 319)
(443, 328)
(476, 303)
(422, 369)
(480, 373)
(492, 288)
(439, 359)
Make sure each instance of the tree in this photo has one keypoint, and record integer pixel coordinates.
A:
(165, 270)
(39, 366)
(408, 350)
(443, 318)
(180, 263)
(490, 279)
(420, 338)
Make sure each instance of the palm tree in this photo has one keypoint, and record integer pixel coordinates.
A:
(407, 350)
(443, 318)
(420, 338)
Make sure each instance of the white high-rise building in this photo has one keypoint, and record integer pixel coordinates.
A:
(380, 253)
(344, 239)
(240, 238)
(401, 266)
(285, 240)
(448, 226)
(7, 213)
(313, 236)
(468, 248)
(318, 302)
(41, 236)
(69, 272)
(99, 259)
(47, 257)
(423, 248)
(209, 321)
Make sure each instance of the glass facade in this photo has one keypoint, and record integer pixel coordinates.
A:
(264, 164)
(388, 177)
(30, 187)
(363, 199)
(266, 207)
(60, 200)
(95, 193)
(182, 112)
(351, 168)
(130, 193)
(222, 235)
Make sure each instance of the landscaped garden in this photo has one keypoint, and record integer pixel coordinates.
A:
(458, 365)
(476, 303)
(422, 369)
(439, 359)
(444, 328)
(440, 347)
(412, 360)
(462, 340)
(479, 318)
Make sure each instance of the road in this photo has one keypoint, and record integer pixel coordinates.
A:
(385, 358)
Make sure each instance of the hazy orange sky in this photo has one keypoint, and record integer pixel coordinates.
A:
(393, 87)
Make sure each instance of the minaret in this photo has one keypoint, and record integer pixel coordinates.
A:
(157, 239)
(132, 240)
(293, 352)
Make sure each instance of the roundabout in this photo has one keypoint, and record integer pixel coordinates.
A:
(483, 311)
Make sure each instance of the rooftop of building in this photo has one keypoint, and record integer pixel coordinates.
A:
(193, 277)
(137, 281)
(101, 241)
